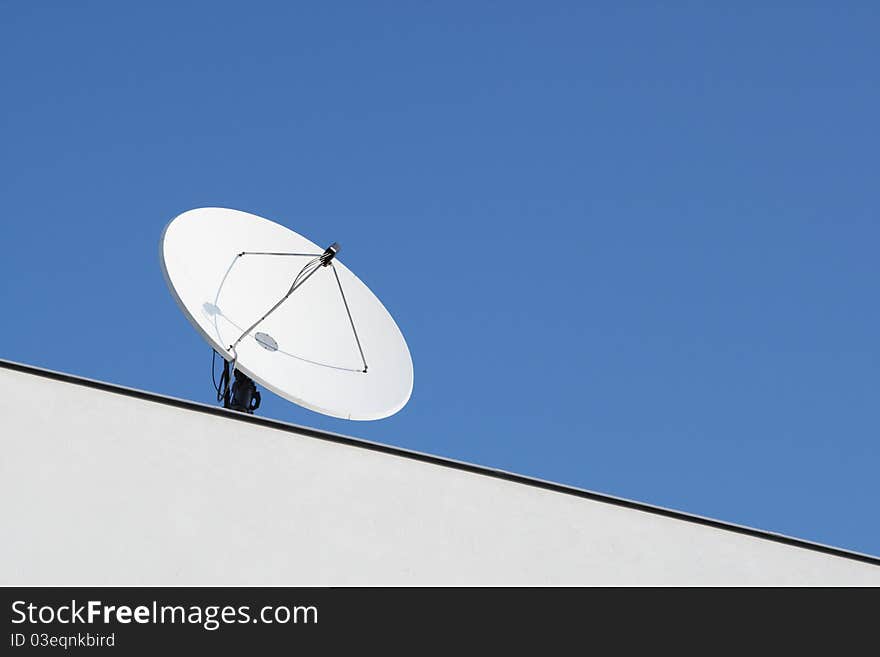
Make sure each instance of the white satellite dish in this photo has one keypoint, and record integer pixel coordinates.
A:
(286, 313)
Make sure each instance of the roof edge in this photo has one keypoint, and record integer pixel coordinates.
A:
(437, 460)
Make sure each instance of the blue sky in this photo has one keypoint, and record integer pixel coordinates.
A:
(641, 241)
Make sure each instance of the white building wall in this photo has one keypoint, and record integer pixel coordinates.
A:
(98, 487)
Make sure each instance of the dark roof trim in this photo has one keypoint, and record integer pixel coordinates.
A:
(436, 460)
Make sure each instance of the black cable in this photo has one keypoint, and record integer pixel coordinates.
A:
(214, 370)
(222, 388)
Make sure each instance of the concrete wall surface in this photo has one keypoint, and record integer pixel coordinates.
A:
(102, 487)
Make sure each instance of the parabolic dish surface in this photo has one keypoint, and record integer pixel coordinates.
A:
(305, 351)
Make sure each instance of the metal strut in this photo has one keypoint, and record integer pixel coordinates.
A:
(321, 260)
(274, 253)
(293, 288)
(353, 329)
(242, 394)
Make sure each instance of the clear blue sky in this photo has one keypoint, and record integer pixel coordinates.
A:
(641, 242)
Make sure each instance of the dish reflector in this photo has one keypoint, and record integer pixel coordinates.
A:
(330, 346)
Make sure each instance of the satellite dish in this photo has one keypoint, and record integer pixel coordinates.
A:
(287, 314)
